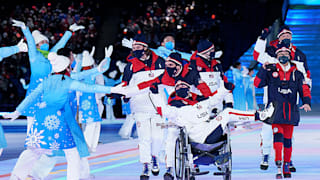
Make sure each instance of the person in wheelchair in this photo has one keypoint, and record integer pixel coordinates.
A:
(193, 112)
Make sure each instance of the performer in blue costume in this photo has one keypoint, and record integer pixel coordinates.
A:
(250, 91)
(38, 49)
(6, 52)
(238, 92)
(45, 164)
(89, 115)
(50, 131)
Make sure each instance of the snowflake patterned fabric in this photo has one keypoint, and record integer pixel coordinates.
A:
(50, 129)
(54, 134)
(88, 110)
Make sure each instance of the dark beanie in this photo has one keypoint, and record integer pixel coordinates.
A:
(204, 45)
(176, 58)
(284, 29)
(140, 39)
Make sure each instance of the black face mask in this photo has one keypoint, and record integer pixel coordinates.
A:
(283, 59)
(182, 92)
(138, 53)
(286, 42)
(171, 71)
(212, 55)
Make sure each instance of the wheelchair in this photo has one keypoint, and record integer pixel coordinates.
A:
(188, 154)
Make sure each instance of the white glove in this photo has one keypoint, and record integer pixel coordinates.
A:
(218, 54)
(23, 82)
(12, 116)
(127, 43)
(119, 89)
(92, 51)
(113, 74)
(121, 66)
(108, 51)
(104, 65)
(19, 24)
(74, 27)
(22, 46)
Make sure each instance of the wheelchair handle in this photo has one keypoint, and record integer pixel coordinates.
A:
(170, 124)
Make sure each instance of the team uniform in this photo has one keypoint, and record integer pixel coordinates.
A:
(212, 74)
(265, 54)
(283, 87)
(150, 136)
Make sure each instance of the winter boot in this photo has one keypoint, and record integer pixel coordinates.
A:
(279, 174)
(145, 172)
(169, 174)
(292, 168)
(155, 166)
(196, 168)
(265, 162)
(286, 170)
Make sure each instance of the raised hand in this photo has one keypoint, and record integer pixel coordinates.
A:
(74, 27)
(127, 43)
(18, 24)
(108, 51)
(12, 116)
(22, 46)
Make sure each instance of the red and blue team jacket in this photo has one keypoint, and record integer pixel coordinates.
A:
(282, 92)
(188, 74)
(296, 54)
(135, 65)
(196, 62)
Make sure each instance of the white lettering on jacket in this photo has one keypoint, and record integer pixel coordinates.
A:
(284, 91)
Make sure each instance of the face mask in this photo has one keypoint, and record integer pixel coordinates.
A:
(182, 92)
(138, 53)
(212, 55)
(283, 59)
(286, 42)
(171, 71)
(44, 47)
(169, 45)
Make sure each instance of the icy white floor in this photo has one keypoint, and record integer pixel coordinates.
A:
(119, 160)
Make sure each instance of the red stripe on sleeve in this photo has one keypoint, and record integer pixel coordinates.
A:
(255, 55)
(306, 91)
(240, 114)
(257, 81)
(204, 89)
(308, 74)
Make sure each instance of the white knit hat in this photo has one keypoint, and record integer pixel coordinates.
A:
(38, 37)
(87, 59)
(58, 63)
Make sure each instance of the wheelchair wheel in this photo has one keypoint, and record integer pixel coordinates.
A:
(179, 160)
(228, 166)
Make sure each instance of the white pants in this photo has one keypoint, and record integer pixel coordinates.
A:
(28, 158)
(172, 136)
(126, 128)
(91, 133)
(45, 165)
(30, 121)
(150, 135)
(266, 138)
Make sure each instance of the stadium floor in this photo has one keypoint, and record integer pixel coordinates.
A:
(119, 159)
